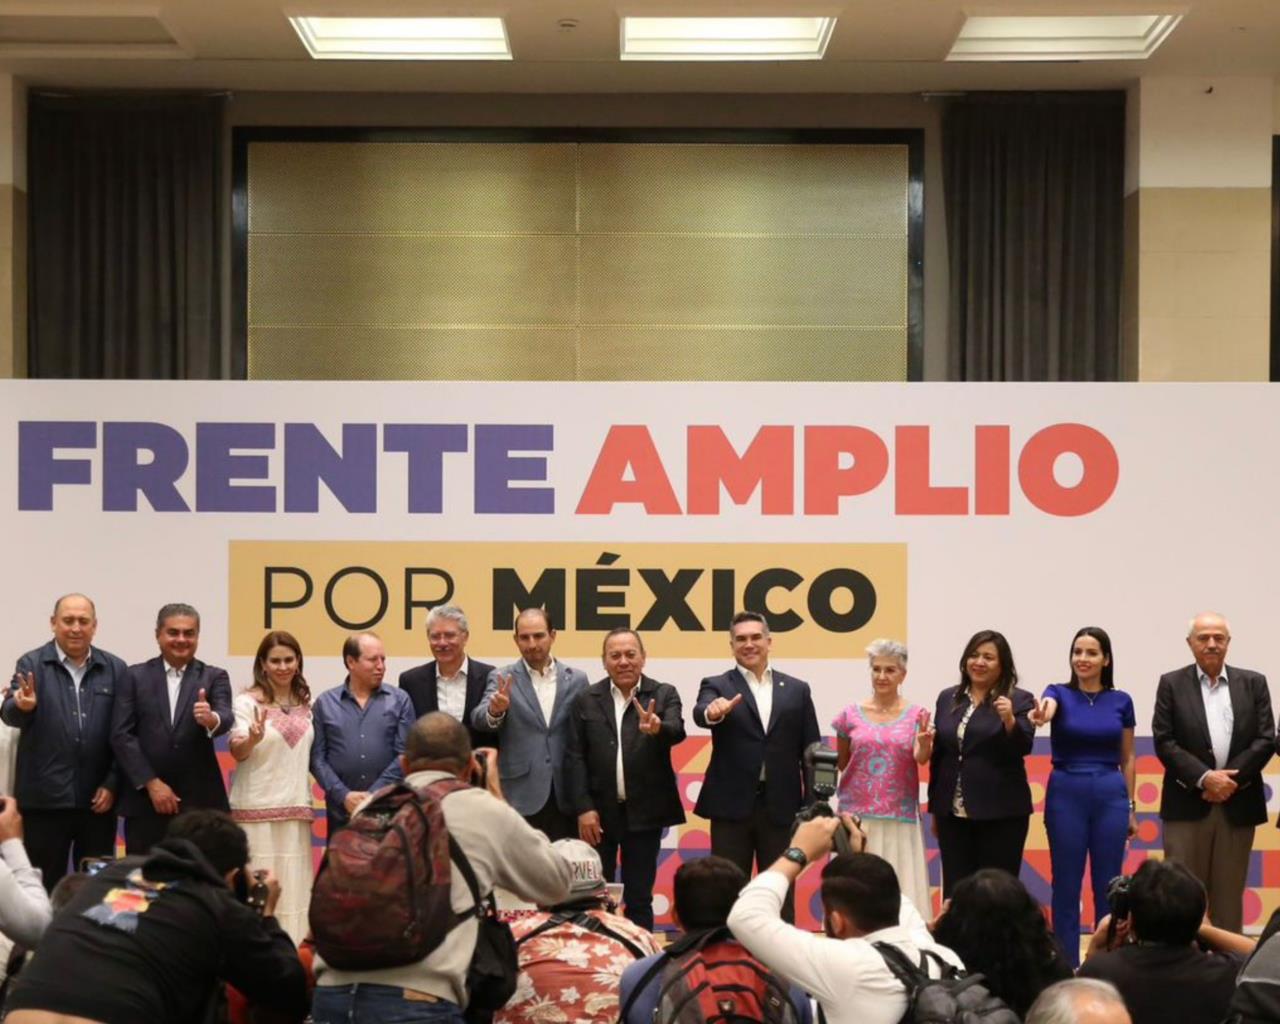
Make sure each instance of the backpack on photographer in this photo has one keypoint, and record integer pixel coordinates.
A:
(449, 843)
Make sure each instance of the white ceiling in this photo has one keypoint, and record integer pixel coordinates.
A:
(879, 46)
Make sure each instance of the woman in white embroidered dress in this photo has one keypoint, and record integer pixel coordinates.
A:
(271, 788)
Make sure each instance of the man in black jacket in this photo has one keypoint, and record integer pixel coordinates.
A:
(618, 762)
(453, 683)
(61, 701)
(152, 939)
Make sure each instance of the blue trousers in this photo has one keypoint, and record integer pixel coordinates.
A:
(378, 1004)
(1086, 813)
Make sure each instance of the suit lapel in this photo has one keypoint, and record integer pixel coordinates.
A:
(605, 698)
(1195, 703)
(433, 687)
(475, 687)
(186, 693)
(749, 699)
(1240, 706)
(562, 688)
(523, 686)
(779, 695)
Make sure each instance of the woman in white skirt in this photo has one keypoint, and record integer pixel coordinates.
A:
(882, 742)
(271, 788)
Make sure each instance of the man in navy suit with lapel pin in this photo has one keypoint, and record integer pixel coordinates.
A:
(1214, 734)
(761, 721)
(527, 704)
(167, 713)
(453, 683)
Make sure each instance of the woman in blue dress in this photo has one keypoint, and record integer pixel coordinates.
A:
(1089, 808)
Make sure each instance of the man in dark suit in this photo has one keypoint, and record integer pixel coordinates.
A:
(60, 702)
(167, 713)
(1214, 733)
(453, 683)
(761, 721)
(623, 787)
(528, 705)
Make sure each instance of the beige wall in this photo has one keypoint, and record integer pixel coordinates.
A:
(1198, 230)
(657, 111)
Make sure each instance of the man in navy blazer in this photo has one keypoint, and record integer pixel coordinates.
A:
(167, 713)
(453, 683)
(528, 705)
(761, 721)
(1214, 734)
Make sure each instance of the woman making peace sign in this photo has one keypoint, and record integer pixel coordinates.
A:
(271, 788)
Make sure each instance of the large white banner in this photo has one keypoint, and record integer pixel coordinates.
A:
(845, 511)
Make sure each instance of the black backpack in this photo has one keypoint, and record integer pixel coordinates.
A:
(583, 920)
(952, 998)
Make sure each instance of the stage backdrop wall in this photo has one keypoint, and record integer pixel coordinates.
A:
(922, 512)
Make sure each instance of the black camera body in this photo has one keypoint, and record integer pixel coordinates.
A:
(821, 775)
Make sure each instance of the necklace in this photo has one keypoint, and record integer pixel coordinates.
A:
(1092, 695)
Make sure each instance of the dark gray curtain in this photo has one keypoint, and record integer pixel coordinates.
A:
(1035, 227)
(124, 268)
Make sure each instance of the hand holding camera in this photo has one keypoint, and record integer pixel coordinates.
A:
(10, 819)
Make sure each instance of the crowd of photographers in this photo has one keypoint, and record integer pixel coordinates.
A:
(426, 825)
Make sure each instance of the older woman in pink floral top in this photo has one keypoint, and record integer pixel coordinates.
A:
(882, 742)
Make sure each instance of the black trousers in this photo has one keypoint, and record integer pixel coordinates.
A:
(967, 846)
(756, 838)
(56, 839)
(639, 849)
(143, 831)
(553, 821)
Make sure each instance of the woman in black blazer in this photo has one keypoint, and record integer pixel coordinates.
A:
(978, 792)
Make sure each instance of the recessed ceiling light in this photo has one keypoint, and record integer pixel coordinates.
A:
(725, 38)
(1043, 38)
(404, 38)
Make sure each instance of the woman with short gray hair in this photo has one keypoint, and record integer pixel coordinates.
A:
(882, 741)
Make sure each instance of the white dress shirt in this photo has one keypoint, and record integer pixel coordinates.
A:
(619, 709)
(1219, 713)
(451, 691)
(848, 978)
(173, 680)
(761, 688)
(544, 687)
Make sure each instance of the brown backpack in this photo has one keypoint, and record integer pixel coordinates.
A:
(382, 895)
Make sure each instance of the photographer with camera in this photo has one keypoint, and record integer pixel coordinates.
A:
(24, 905)
(1153, 953)
(862, 907)
(152, 938)
(368, 968)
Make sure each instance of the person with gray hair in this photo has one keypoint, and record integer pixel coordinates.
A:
(166, 715)
(1214, 733)
(452, 683)
(882, 741)
(1079, 1001)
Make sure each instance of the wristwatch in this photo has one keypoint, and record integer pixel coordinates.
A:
(796, 856)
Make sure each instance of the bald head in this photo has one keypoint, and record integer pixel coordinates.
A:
(437, 741)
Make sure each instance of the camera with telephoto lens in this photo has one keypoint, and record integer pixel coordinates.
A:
(1118, 899)
(821, 774)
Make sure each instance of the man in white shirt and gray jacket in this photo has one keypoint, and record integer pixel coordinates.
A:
(503, 850)
(862, 904)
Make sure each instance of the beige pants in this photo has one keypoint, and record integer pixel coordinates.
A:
(1217, 853)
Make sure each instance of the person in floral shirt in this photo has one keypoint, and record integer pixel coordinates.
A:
(572, 955)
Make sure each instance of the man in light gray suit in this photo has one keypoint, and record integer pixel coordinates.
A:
(529, 703)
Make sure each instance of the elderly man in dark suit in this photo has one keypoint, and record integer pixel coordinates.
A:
(623, 787)
(453, 683)
(1214, 733)
(761, 721)
(167, 713)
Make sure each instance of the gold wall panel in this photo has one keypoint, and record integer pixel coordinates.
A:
(805, 190)
(591, 261)
(824, 282)
(410, 186)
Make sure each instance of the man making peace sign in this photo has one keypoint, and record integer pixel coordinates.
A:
(623, 787)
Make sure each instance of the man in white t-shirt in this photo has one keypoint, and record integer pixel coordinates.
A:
(862, 904)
